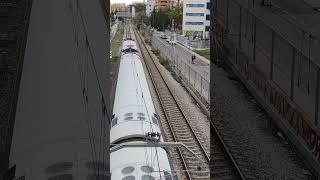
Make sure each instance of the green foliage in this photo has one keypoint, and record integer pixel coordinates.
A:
(141, 16)
(163, 61)
(116, 42)
(204, 53)
(162, 19)
(155, 51)
(140, 7)
(176, 14)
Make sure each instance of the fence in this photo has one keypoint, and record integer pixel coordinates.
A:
(288, 63)
(181, 66)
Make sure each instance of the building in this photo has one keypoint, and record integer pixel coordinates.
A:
(150, 5)
(131, 11)
(196, 18)
(160, 4)
(119, 7)
(175, 3)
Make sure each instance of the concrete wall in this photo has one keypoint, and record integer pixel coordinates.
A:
(55, 104)
(283, 79)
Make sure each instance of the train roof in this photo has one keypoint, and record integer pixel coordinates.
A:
(129, 44)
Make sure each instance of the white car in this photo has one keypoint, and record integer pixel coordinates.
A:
(172, 42)
(163, 36)
(110, 54)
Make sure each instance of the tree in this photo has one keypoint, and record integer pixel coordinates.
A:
(160, 19)
(176, 15)
(140, 7)
(141, 16)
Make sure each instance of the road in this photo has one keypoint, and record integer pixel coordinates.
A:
(200, 66)
(197, 74)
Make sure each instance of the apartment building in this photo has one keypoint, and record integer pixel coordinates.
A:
(150, 6)
(160, 4)
(119, 7)
(196, 18)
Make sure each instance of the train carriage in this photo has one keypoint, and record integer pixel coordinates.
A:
(134, 116)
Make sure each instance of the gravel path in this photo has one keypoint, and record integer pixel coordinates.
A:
(247, 131)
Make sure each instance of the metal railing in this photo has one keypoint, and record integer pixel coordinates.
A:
(199, 80)
(290, 61)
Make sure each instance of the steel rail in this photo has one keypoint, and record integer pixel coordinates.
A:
(187, 174)
(236, 170)
(174, 99)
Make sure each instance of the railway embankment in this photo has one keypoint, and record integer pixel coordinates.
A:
(260, 148)
(114, 61)
(197, 119)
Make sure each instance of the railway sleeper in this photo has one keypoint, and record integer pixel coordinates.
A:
(180, 126)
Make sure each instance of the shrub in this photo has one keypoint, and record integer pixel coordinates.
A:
(156, 51)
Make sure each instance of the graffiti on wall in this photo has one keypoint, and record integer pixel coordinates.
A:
(284, 107)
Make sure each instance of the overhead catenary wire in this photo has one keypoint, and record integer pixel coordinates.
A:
(105, 112)
(148, 115)
(82, 82)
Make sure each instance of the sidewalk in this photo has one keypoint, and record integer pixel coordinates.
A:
(189, 49)
(197, 73)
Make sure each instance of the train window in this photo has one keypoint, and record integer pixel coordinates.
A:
(147, 169)
(127, 170)
(114, 122)
(129, 114)
(129, 178)
(128, 118)
(141, 118)
(167, 175)
(62, 177)
(59, 167)
(140, 114)
(147, 177)
(154, 120)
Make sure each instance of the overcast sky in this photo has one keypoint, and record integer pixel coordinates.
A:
(124, 1)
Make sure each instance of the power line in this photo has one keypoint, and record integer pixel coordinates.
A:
(82, 82)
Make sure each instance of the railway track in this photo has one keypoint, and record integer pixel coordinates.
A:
(223, 166)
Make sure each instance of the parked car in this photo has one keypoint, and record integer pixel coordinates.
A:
(163, 36)
(172, 42)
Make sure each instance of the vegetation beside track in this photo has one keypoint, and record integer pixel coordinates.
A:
(116, 42)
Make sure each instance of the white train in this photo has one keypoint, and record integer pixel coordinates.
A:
(134, 115)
